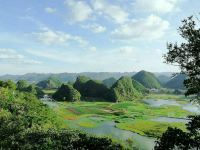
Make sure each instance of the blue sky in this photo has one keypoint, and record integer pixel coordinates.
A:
(89, 35)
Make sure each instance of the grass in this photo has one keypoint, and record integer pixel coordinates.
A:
(149, 128)
(50, 92)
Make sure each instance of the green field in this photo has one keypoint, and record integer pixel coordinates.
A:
(134, 116)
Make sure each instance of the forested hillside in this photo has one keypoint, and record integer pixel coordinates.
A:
(147, 79)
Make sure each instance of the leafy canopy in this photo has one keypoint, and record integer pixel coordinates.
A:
(187, 55)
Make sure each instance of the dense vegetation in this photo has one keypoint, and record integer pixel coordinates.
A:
(147, 79)
(91, 88)
(67, 93)
(50, 83)
(124, 90)
(27, 123)
(176, 82)
(175, 138)
(186, 55)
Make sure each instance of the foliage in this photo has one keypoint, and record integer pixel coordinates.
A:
(67, 93)
(27, 123)
(187, 55)
(175, 138)
(22, 85)
(109, 82)
(123, 90)
(50, 83)
(34, 90)
(147, 79)
(8, 84)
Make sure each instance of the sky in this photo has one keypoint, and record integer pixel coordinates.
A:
(53, 36)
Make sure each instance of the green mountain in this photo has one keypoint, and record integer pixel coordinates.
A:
(139, 87)
(109, 82)
(67, 93)
(50, 83)
(147, 79)
(124, 90)
(90, 88)
(176, 82)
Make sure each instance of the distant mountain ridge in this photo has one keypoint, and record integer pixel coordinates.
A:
(70, 77)
(66, 77)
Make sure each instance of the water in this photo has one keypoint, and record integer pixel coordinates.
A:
(159, 103)
(108, 128)
(194, 108)
(169, 119)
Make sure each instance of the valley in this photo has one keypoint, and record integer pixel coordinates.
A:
(133, 124)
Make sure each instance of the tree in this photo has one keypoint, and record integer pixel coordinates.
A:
(22, 84)
(8, 84)
(187, 56)
(34, 90)
(175, 138)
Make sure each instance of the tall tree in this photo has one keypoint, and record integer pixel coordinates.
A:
(187, 55)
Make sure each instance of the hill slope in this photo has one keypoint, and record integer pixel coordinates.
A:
(123, 90)
(50, 83)
(147, 79)
(163, 79)
(176, 82)
(91, 88)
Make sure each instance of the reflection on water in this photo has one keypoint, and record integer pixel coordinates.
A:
(168, 119)
(108, 129)
(158, 103)
(194, 108)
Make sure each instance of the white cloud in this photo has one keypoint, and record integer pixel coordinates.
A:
(126, 50)
(12, 56)
(159, 6)
(50, 10)
(49, 37)
(114, 12)
(78, 10)
(152, 27)
(96, 28)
